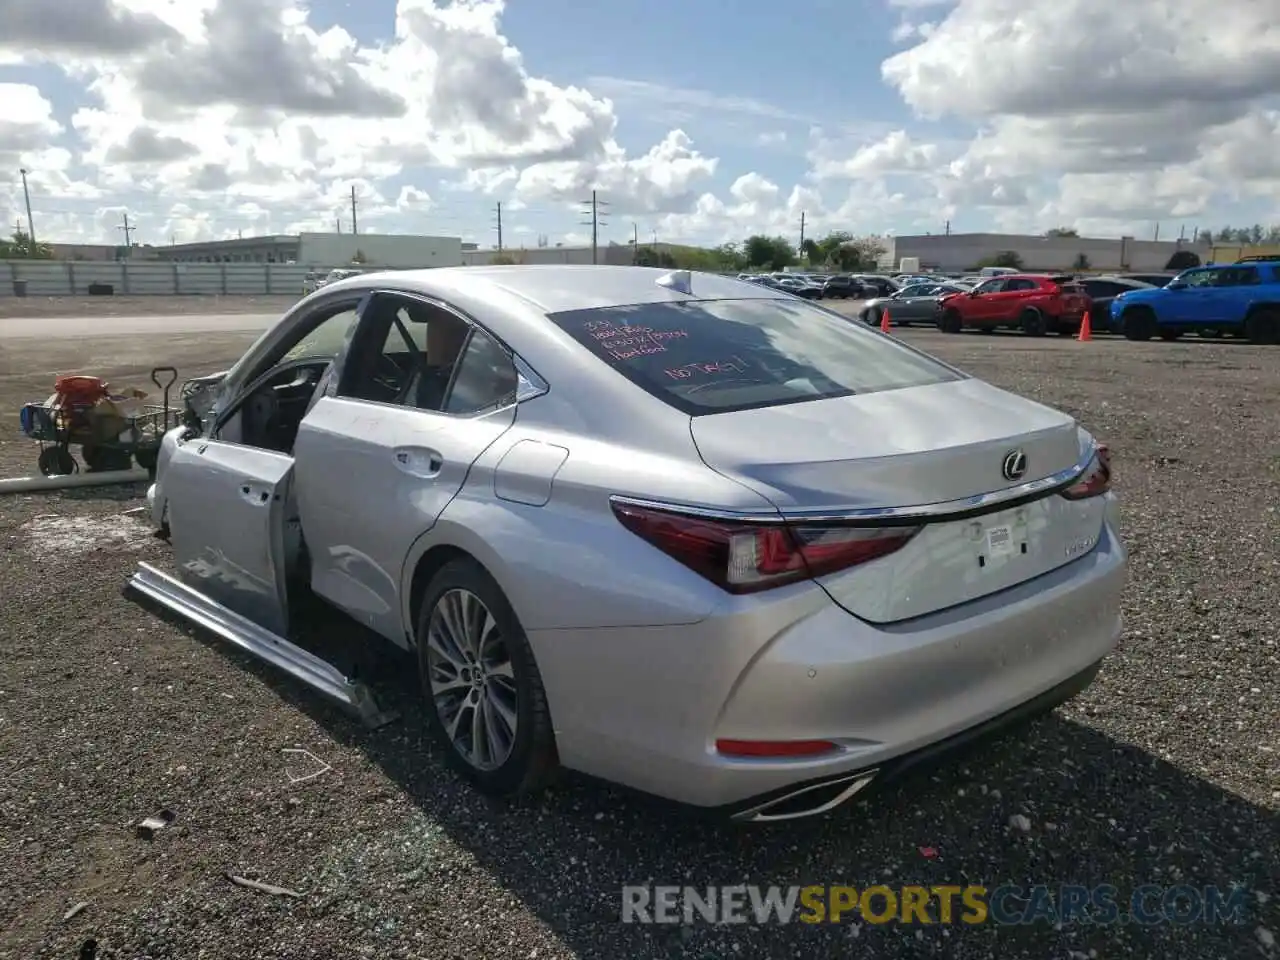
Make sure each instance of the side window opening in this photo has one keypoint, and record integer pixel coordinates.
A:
(485, 378)
(404, 353)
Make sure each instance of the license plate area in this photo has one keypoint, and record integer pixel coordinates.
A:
(1002, 539)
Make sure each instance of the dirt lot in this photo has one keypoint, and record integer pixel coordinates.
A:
(1166, 771)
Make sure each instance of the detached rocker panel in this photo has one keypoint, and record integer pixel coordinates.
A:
(318, 674)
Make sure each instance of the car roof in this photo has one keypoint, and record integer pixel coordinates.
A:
(556, 288)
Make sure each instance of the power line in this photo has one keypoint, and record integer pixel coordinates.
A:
(593, 211)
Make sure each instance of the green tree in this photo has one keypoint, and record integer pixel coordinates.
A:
(769, 253)
(812, 252)
(1082, 262)
(20, 247)
(502, 260)
(1183, 260)
(359, 257)
(863, 253)
(1062, 232)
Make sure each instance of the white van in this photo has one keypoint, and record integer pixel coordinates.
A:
(996, 271)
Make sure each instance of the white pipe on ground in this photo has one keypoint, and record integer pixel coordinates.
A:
(69, 480)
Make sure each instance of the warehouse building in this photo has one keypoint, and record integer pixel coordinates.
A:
(323, 250)
(963, 252)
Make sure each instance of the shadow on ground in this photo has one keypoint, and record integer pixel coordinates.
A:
(1100, 812)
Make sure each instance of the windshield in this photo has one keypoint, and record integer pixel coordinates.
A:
(716, 356)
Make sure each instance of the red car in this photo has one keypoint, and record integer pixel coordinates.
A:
(1036, 304)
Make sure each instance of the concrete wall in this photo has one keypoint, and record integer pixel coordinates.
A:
(61, 278)
(379, 250)
(965, 251)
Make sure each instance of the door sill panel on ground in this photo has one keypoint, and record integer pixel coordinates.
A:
(320, 675)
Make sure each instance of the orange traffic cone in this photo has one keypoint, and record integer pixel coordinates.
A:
(1086, 328)
(884, 321)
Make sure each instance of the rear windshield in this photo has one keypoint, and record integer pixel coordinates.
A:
(716, 356)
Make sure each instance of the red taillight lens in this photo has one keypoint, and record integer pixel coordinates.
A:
(743, 558)
(1096, 480)
(775, 748)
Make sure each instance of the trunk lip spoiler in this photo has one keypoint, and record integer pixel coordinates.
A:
(915, 515)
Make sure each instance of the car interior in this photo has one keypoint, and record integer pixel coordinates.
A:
(405, 354)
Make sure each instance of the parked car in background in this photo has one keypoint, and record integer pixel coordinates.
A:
(1154, 279)
(671, 530)
(1101, 291)
(311, 282)
(1241, 299)
(919, 302)
(801, 288)
(1036, 304)
(877, 284)
(843, 287)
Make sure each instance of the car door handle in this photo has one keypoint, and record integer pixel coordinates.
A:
(419, 462)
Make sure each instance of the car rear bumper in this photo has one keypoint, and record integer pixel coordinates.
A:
(645, 707)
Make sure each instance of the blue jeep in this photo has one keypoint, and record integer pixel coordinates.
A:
(1241, 298)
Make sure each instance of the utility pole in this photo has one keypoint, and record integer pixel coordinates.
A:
(801, 247)
(337, 222)
(947, 231)
(499, 226)
(593, 210)
(31, 224)
(1157, 235)
(128, 247)
(635, 236)
(353, 210)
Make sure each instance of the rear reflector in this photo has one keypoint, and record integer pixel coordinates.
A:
(1096, 480)
(775, 748)
(744, 558)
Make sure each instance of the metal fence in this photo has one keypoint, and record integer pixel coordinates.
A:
(63, 278)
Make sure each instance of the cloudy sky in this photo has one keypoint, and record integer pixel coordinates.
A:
(700, 121)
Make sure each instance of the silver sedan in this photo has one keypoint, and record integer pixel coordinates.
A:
(682, 532)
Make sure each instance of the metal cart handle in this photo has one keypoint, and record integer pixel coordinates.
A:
(155, 377)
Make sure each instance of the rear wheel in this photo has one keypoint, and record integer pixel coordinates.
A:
(1032, 323)
(1139, 323)
(1170, 334)
(1263, 325)
(950, 321)
(485, 701)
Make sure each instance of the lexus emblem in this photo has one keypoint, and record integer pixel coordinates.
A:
(1014, 466)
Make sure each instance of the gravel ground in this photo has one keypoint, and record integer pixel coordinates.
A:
(37, 307)
(1165, 771)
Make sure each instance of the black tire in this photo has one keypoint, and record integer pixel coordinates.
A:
(1032, 323)
(57, 462)
(104, 459)
(532, 762)
(1138, 323)
(951, 321)
(1263, 325)
(1169, 334)
(147, 460)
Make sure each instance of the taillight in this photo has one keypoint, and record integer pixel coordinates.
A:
(1096, 480)
(744, 558)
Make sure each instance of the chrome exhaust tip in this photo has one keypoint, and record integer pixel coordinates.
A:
(810, 801)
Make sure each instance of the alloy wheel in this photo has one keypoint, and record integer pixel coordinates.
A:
(472, 682)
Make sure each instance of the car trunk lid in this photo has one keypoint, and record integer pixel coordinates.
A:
(936, 450)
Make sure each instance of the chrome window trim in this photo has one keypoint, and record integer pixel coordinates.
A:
(874, 516)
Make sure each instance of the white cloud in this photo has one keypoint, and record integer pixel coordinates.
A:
(205, 118)
(1105, 112)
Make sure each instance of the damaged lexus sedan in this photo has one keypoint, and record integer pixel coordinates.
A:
(678, 531)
